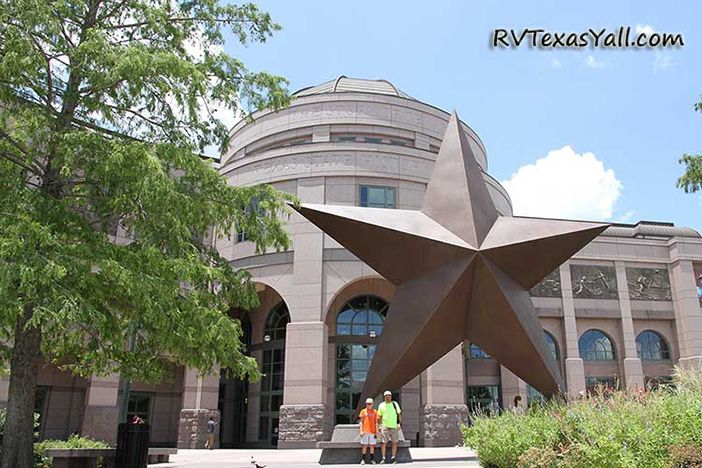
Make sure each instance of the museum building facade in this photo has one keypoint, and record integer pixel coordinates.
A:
(621, 312)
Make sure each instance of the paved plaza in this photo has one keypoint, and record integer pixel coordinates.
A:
(445, 457)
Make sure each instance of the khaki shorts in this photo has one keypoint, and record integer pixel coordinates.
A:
(390, 434)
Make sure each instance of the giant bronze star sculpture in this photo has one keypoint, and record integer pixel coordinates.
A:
(461, 270)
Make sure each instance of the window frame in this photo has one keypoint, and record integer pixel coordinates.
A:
(663, 346)
(609, 355)
(386, 189)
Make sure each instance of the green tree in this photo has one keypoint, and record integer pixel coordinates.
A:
(691, 180)
(105, 107)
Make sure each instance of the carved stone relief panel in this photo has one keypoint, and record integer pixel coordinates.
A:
(549, 286)
(648, 284)
(593, 282)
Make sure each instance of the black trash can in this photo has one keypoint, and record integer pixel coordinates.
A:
(132, 445)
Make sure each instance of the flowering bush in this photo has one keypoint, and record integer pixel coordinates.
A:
(660, 428)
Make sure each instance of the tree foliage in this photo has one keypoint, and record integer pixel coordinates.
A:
(105, 106)
(691, 180)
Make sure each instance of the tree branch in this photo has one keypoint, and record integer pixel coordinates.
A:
(193, 19)
(13, 159)
(49, 82)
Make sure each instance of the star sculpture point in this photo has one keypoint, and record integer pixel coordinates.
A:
(461, 270)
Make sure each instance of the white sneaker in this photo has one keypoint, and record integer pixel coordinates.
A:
(363, 461)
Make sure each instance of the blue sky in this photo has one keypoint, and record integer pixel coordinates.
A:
(631, 109)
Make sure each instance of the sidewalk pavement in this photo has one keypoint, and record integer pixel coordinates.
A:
(424, 457)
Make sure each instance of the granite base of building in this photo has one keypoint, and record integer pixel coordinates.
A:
(192, 428)
(100, 423)
(440, 425)
(345, 448)
(302, 426)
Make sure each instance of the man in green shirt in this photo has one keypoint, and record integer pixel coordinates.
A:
(390, 416)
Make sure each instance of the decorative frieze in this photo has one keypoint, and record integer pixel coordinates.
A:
(549, 286)
(698, 280)
(593, 282)
(648, 284)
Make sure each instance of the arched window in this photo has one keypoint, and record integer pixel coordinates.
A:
(477, 353)
(552, 345)
(277, 319)
(358, 326)
(362, 315)
(651, 346)
(595, 346)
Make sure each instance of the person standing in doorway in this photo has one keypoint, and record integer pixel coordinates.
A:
(209, 444)
(390, 416)
(369, 430)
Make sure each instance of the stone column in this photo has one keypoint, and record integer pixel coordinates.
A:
(305, 418)
(574, 368)
(443, 407)
(511, 387)
(633, 371)
(411, 404)
(101, 409)
(200, 399)
(688, 314)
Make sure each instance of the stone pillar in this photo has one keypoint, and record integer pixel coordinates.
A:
(254, 403)
(511, 387)
(200, 399)
(688, 314)
(101, 409)
(443, 398)
(305, 418)
(4, 389)
(633, 371)
(574, 368)
(410, 400)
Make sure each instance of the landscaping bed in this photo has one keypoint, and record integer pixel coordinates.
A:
(659, 428)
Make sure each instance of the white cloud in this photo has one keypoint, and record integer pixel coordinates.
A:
(627, 217)
(555, 63)
(564, 184)
(592, 62)
(662, 62)
(645, 29)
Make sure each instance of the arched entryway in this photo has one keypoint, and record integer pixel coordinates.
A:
(233, 395)
(359, 325)
(250, 411)
(273, 369)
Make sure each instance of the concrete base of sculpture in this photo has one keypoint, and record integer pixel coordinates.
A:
(345, 448)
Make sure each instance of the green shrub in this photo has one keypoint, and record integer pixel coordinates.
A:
(617, 429)
(73, 442)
